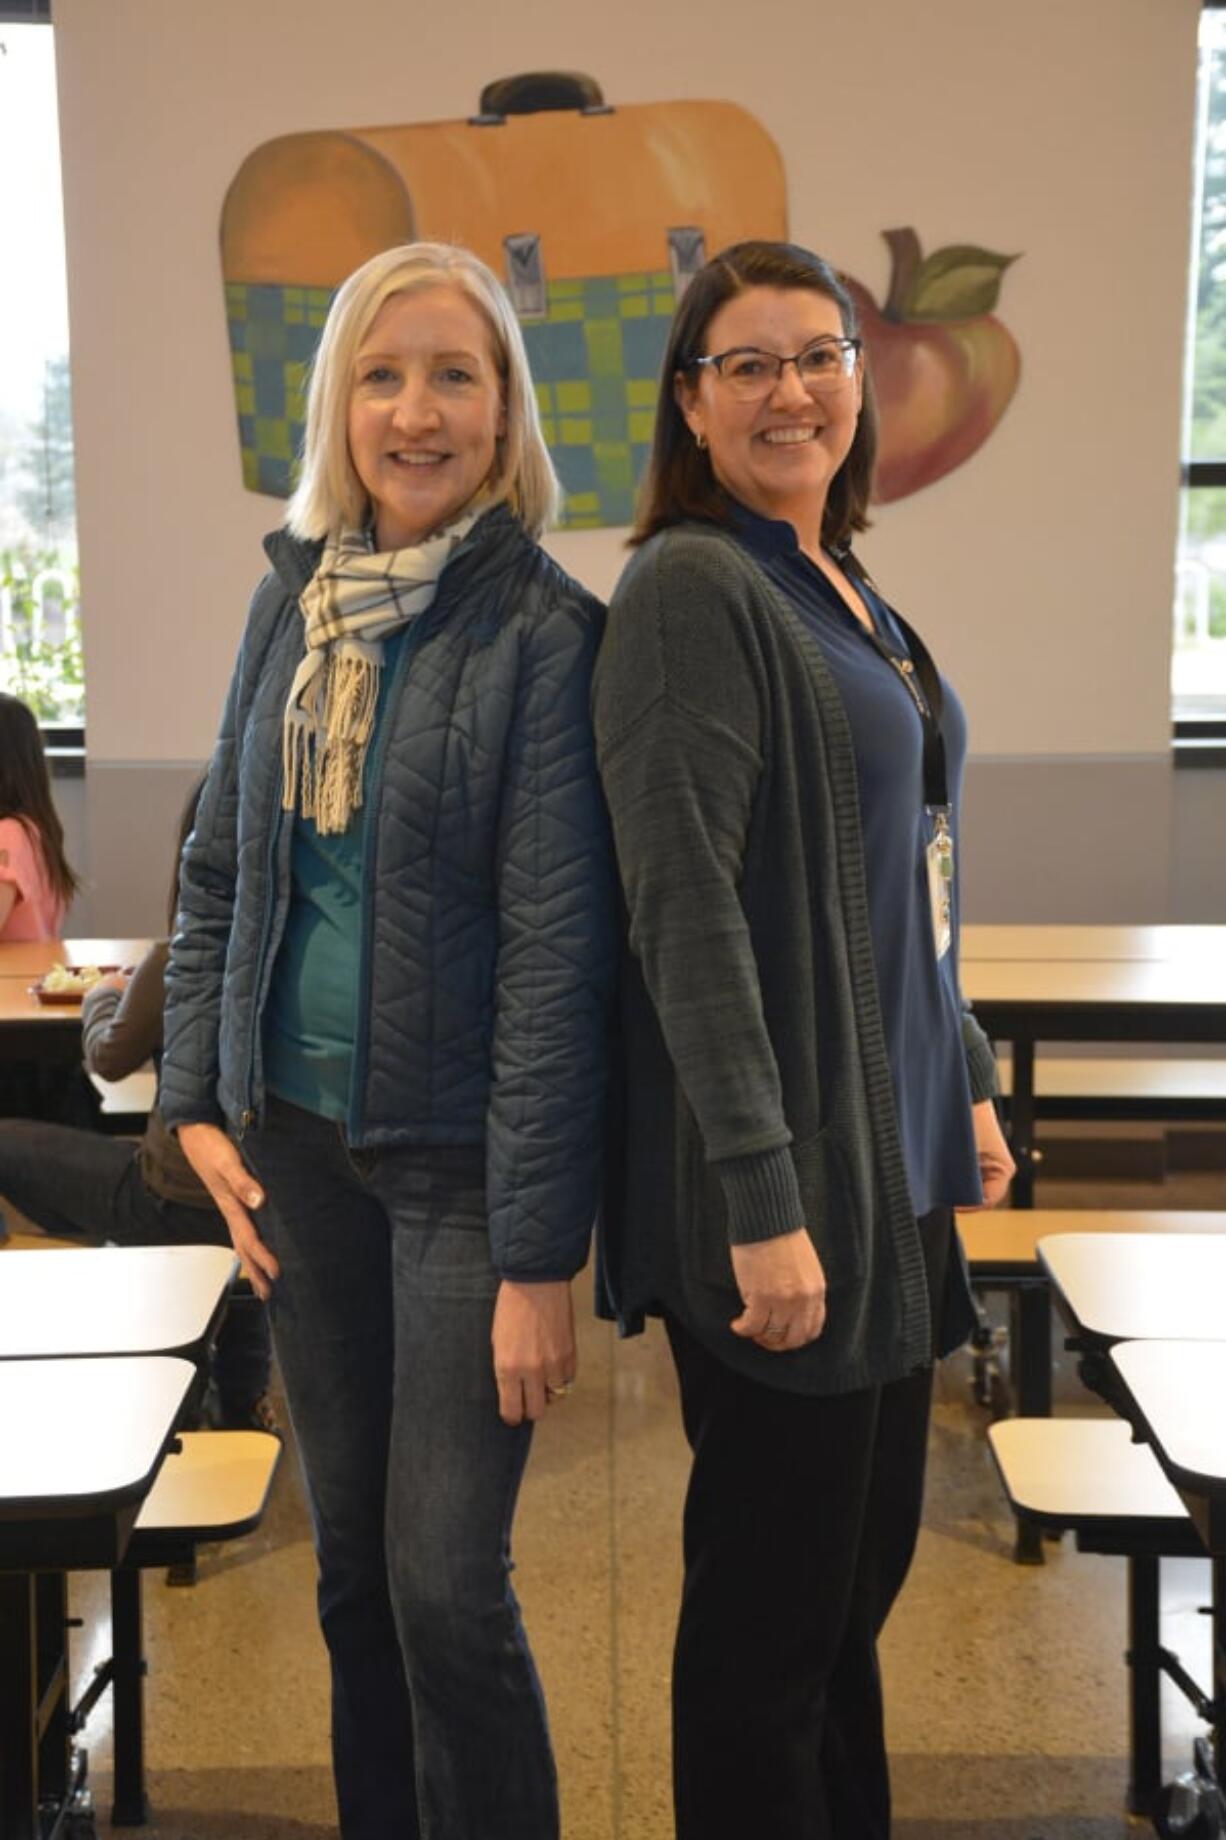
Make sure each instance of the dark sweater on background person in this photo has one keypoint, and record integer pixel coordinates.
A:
(120, 1031)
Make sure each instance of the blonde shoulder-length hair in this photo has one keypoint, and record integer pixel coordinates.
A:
(329, 496)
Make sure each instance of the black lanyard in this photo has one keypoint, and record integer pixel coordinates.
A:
(926, 693)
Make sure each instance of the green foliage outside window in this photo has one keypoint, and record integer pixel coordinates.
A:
(40, 633)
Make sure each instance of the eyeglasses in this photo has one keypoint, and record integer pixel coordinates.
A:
(826, 364)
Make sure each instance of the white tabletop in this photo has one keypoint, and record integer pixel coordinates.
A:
(85, 1434)
(1191, 981)
(1139, 1286)
(1180, 1388)
(109, 1300)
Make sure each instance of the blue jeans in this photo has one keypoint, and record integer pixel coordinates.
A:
(381, 1319)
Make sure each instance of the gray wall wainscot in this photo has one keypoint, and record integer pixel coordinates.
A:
(1121, 840)
(120, 825)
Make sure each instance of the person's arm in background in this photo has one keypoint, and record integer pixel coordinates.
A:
(996, 1165)
(121, 1019)
(19, 873)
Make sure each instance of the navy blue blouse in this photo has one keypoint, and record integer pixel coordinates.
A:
(920, 1004)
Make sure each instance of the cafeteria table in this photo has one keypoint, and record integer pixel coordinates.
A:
(1089, 984)
(990, 940)
(89, 1398)
(50, 1032)
(1118, 1287)
(1146, 1316)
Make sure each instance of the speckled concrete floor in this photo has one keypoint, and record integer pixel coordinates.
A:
(1005, 1684)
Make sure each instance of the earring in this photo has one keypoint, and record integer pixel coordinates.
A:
(700, 441)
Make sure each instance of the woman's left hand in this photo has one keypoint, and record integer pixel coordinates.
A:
(996, 1165)
(535, 1359)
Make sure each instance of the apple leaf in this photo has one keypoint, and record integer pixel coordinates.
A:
(957, 282)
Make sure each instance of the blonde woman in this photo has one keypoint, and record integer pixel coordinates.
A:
(386, 1019)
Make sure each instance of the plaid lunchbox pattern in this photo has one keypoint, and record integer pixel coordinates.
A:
(595, 354)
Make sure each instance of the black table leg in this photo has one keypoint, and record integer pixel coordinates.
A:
(18, 1708)
(51, 1652)
(1021, 1123)
(131, 1808)
(1144, 1685)
(1030, 1375)
(1219, 1669)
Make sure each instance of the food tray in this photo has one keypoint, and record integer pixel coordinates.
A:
(59, 999)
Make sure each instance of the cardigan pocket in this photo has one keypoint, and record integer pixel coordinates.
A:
(833, 1216)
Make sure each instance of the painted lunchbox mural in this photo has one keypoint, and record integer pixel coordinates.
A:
(594, 216)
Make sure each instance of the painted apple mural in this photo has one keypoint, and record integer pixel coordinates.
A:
(944, 368)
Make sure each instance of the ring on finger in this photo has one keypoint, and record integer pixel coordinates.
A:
(559, 1392)
(775, 1334)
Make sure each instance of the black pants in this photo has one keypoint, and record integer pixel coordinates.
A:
(800, 1524)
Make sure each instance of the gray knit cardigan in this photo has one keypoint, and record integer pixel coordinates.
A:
(754, 1093)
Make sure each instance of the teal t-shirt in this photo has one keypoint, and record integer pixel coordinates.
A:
(310, 1023)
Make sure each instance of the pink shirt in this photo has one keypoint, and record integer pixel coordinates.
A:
(38, 910)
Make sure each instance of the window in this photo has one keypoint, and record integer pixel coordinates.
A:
(40, 632)
(1198, 678)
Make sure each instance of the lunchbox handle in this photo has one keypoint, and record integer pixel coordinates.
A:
(533, 92)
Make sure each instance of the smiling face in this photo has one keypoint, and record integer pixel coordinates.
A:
(779, 455)
(425, 412)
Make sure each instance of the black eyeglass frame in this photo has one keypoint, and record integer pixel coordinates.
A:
(718, 359)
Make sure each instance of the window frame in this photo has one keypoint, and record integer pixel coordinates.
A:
(1200, 741)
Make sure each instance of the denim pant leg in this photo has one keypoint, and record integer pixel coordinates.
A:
(331, 1314)
(64, 1180)
(485, 1768)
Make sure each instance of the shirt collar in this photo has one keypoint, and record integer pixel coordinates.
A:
(766, 536)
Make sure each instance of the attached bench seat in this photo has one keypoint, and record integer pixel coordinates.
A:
(1086, 1476)
(214, 1487)
(1073, 1086)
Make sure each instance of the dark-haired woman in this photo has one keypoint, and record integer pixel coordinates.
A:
(36, 879)
(807, 1096)
(37, 882)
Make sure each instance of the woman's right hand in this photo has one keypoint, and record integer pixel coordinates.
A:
(783, 1288)
(234, 1190)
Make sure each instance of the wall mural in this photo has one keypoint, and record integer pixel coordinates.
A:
(595, 217)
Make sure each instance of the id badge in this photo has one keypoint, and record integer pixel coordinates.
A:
(940, 855)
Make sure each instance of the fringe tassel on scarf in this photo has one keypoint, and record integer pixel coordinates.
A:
(353, 601)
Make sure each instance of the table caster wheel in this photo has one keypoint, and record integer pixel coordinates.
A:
(1188, 1809)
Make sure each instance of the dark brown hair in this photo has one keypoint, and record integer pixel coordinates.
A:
(187, 824)
(25, 791)
(679, 482)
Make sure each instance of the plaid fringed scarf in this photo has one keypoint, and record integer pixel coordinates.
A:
(355, 598)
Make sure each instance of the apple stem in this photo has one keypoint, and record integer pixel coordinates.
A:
(905, 258)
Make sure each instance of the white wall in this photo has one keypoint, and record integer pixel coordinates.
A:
(1040, 571)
